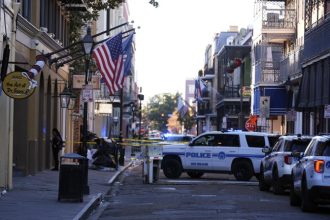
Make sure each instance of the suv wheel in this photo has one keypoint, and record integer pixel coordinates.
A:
(276, 184)
(195, 174)
(172, 168)
(263, 186)
(307, 205)
(242, 170)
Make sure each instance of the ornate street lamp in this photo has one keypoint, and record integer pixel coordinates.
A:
(87, 42)
(65, 97)
(141, 98)
(288, 85)
(72, 101)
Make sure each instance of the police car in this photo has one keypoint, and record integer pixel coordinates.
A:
(234, 152)
(275, 167)
(310, 177)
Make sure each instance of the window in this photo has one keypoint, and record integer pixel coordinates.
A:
(296, 145)
(228, 140)
(255, 141)
(26, 9)
(206, 140)
(323, 149)
(277, 146)
(272, 140)
(309, 149)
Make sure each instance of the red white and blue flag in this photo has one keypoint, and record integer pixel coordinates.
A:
(109, 60)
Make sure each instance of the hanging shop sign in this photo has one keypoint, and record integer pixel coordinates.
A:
(79, 82)
(17, 86)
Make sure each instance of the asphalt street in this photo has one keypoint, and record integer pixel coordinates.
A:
(214, 196)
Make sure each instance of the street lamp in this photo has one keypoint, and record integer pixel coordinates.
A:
(72, 101)
(67, 99)
(140, 97)
(87, 42)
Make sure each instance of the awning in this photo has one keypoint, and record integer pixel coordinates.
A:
(236, 51)
(314, 88)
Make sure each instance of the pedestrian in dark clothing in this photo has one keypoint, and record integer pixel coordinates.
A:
(57, 145)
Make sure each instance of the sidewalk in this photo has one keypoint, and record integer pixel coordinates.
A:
(35, 197)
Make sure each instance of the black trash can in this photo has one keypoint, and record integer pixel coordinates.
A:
(71, 177)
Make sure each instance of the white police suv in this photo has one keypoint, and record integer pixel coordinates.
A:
(275, 167)
(236, 152)
(310, 176)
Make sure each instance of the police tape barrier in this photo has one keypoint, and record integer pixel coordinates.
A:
(139, 143)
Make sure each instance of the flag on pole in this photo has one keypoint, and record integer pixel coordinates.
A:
(182, 108)
(127, 51)
(109, 60)
(200, 88)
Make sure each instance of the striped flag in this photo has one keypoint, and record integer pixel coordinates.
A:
(109, 60)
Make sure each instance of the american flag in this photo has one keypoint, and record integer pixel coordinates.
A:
(109, 60)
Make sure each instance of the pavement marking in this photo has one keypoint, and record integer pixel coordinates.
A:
(167, 188)
(207, 182)
(203, 195)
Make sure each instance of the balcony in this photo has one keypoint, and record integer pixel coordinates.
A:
(267, 72)
(317, 40)
(278, 24)
(291, 65)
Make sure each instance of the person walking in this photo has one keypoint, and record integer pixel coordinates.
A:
(57, 145)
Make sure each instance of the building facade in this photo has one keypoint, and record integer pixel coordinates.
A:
(313, 96)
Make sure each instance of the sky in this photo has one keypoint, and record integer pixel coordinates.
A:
(172, 38)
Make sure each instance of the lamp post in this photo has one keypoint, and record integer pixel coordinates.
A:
(140, 97)
(289, 119)
(87, 45)
(67, 99)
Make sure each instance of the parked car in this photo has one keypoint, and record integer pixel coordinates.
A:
(310, 176)
(275, 167)
(235, 152)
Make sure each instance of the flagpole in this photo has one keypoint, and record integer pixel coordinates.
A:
(121, 132)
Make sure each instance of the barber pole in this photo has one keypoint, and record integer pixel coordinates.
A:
(35, 70)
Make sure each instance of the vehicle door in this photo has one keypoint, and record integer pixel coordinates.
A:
(224, 150)
(299, 167)
(199, 153)
(322, 153)
(270, 158)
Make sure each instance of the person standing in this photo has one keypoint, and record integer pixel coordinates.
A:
(57, 145)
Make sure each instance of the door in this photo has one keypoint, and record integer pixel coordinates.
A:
(198, 154)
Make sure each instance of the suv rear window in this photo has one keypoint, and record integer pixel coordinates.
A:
(255, 141)
(323, 149)
(296, 145)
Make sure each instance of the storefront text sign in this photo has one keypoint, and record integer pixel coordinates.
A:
(17, 86)
(79, 81)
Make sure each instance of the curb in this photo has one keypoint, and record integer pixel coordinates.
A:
(96, 200)
(91, 205)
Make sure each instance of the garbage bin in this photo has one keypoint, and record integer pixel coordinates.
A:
(71, 177)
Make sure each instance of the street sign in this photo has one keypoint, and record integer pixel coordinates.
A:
(327, 111)
(264, 106)
(251, 123)
(87, 93)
